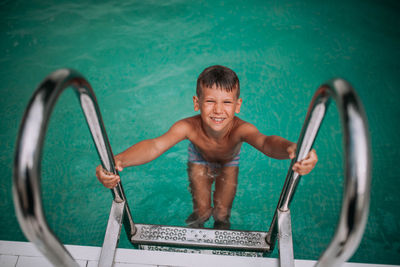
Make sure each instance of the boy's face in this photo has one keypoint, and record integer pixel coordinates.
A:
(217, 107)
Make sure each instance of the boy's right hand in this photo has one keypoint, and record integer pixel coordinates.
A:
(306, 165)
(108, 179)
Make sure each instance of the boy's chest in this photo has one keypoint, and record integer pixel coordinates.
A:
(217, 151)
(213, 149)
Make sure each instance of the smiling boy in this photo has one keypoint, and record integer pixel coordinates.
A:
(216, 136)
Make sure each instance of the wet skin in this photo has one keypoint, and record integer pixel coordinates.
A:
(217, 134)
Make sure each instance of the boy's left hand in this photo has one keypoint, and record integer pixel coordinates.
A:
(307, 164)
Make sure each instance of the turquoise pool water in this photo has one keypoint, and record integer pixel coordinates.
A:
(143, 58)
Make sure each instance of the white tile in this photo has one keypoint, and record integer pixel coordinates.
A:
(118, 264)
(82, 263)
(24, 261)
(121, 264)
(23, 254)
(29, 249)
(309, 263)
(195, 260)
(19, 248)
(84, 252)
(8, 260)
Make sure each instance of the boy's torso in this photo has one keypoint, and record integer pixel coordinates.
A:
(222, 150)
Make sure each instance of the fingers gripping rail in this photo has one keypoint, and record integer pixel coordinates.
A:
(27, 193)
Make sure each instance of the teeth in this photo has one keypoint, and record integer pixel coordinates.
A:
(218, 119)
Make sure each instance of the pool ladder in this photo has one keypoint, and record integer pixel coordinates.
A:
(349, 231)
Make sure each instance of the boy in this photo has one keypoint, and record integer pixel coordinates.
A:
(215, 136)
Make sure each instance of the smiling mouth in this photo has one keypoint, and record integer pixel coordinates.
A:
(217, 120)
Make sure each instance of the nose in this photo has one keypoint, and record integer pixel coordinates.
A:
(218, 108)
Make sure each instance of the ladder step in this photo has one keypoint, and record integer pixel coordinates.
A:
(204, 238)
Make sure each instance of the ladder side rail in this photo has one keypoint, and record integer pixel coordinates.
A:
(313, 120)
(357, 169)
(285, 240)
(112, 235)
(26, 170)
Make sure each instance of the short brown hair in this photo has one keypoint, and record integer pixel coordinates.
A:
(221, 76)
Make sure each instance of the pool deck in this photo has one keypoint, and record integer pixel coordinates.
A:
(24, 254)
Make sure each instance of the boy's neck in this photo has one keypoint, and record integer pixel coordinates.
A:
(217, 135)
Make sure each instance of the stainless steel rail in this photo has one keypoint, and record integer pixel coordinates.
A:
(26, 182)
(27, 193)
(357, 153)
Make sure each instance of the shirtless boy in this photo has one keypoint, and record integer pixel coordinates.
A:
(216, 136)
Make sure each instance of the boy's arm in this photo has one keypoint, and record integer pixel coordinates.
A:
(273, 146)
(150, 149)
(143, 152)
(277, 147)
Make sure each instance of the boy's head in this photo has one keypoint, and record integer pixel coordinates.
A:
(224, 78)
(217, 98)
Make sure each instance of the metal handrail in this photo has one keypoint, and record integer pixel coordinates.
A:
(26, 182)
(27, 176)
(356, 197)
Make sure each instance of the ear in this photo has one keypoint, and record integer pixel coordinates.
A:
(196, 103)
(238, 105)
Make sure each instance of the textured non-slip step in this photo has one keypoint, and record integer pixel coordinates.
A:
(205, 238)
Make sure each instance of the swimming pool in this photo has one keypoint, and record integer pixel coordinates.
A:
(143, 59)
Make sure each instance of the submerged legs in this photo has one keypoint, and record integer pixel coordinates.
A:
(201, 178)
(224, 194)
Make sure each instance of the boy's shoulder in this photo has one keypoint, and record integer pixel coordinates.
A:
(243, 127)
(193, 124)
(188, 123)
(241, 124)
